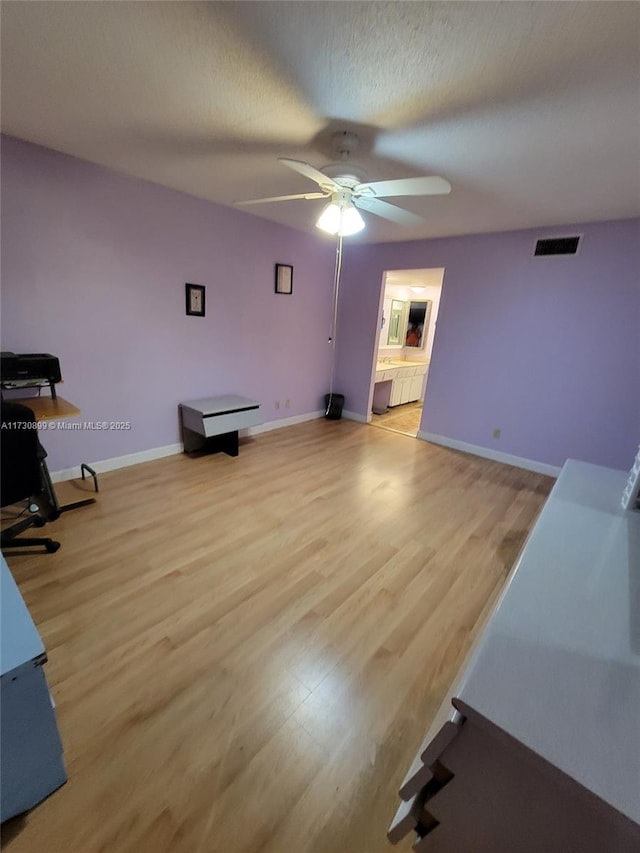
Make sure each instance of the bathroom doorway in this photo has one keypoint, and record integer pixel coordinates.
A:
(406, 334)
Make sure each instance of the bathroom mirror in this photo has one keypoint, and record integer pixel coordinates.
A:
(396, 324)
(417, 324)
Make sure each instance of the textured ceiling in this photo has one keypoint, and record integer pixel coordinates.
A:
(396, 280)
(530, 110)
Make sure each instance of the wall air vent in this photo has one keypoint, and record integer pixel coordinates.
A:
(557, 246)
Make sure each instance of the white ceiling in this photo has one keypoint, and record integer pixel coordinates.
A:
(396, 282)
(530, 110)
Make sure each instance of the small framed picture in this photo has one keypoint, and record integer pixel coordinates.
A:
(284, 278)
(195, 299)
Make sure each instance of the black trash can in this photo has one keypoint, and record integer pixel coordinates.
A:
(333, 404)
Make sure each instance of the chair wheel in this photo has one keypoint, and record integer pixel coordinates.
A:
(39, 522)
(52, 547)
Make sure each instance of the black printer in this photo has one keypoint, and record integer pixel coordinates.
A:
(29, 370)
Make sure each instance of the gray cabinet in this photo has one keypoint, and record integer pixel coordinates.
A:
(31, 765)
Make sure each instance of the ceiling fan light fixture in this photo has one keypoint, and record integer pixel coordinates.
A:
(352, 222)
(343, 220)
(329, 219)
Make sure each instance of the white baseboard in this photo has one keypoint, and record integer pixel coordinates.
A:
(495, 455)
(285, 422)
(354, 416)
(104, 465)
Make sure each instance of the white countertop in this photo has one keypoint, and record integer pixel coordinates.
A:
(19, 639)
(558, 666)
(399, 362)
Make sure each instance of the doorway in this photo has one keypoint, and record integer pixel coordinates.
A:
(406, 333)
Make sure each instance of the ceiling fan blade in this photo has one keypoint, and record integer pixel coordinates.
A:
(388, 211)
(310, 172)
(281, 198)
(428, 185)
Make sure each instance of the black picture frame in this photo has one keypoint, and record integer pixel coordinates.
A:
(195, 295)
(284, 279)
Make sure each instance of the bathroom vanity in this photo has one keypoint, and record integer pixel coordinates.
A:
(398, 382)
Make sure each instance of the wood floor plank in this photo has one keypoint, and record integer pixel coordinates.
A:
(246, 653)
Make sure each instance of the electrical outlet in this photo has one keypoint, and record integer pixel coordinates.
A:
(277, 404)
(287, 404)
(496, 432)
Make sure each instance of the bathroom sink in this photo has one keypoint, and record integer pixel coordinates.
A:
(388, 365)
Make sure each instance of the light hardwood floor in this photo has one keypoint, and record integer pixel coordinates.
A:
(246, 653)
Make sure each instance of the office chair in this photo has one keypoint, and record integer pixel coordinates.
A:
(21, 461)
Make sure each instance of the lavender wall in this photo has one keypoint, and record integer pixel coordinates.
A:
(546, 349)
(93, 270)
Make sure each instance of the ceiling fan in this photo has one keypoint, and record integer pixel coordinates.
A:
(348, 191)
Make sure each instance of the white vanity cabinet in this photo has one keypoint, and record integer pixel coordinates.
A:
(408, 384)
(398, 383)
(401, 388)
(387, 375)
(418, 382)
